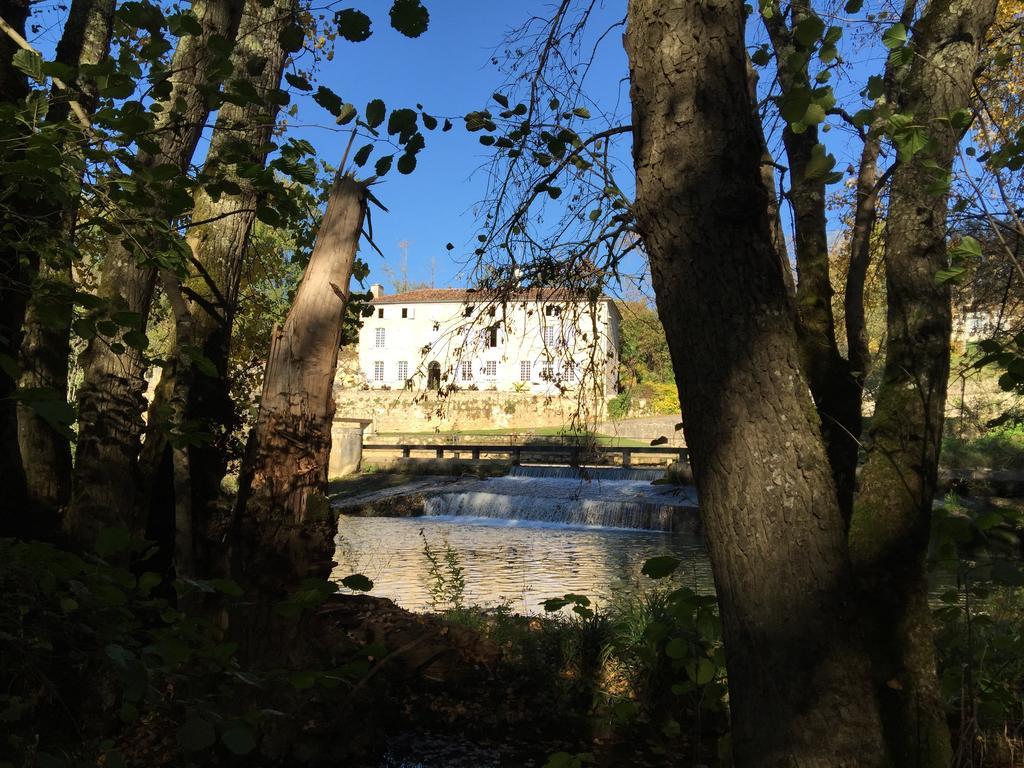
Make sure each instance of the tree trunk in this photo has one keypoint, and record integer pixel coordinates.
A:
(891, 523)
(864, 217)
(837, 394)
(211, 293)
(284, 527)
(46, 345)
(799, 679)
(105, 483)
(14, 285)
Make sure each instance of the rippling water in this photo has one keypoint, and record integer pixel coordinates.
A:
(510, 561)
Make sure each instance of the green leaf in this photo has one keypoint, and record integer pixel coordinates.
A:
(357, 582)
(329, 100)
(582, 112)
(949, 275)
(239, 740)
(430, 123)
(820, 164)
(185, 23)
(967, 248)
(353, 25)
(383, 165)
(29, 62)
(503, 100)
(677, 648)
(895, 36)
(196, 734)
(375, 112)
(302, 681)
(110, 541)
(346, 114)
(402, 122)
(808, 31)
(853, 6)
(291, 38)
(554, 192)
(362, 155)
(761, 57)
(660, 567)
(814, 115)
(406, 163)
(298, 81)
(794, 103)
(409, 17)
(701, 671)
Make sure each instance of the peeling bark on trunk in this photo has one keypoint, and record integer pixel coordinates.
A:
(210, 295)
(284, 527)
(46, 346)
(800, 688)
(837, 394)
(892, 517)
(105, 483)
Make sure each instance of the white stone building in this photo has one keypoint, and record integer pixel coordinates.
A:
(538, 341)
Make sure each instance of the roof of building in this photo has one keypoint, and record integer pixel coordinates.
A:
(462, 295)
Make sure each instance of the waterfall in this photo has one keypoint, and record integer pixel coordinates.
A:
(588, 473)
(613, 498)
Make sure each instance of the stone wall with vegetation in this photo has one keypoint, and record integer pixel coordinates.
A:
(411, 411)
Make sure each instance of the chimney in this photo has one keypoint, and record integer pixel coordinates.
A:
(377, 290)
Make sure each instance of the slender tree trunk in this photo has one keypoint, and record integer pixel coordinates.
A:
(284, 526)
(14, 286)
(891, 523)
(105, 483)
(864, 217)
(837, 394)
(46, 346)
(799, 679)
(210, 295)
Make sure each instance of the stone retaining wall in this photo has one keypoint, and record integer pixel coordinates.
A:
(410, 411)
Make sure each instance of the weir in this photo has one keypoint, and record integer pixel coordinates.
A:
(608, 497)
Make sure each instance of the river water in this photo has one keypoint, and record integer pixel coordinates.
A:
(508, 561)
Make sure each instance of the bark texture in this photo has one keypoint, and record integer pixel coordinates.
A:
(105, 483)
(837, 394)
(210, 295)
(799, 680)
(890, 527)
(864, 217)
(46, 344)
(284, 527)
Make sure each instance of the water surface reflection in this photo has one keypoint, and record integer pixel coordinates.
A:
(521, 563)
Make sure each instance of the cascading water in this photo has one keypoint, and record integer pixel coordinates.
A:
(598, 496)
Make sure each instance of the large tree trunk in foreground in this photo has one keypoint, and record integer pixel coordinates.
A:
(46, 346)
(13, 295)
(283, 516)
(892, 517)
(799, 680)
(111, 398)
(210, 295)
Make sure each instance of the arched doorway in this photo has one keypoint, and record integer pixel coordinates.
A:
(434, 375)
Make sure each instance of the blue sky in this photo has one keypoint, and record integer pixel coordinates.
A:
(448, 70)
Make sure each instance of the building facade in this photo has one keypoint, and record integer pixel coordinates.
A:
(539, 342)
